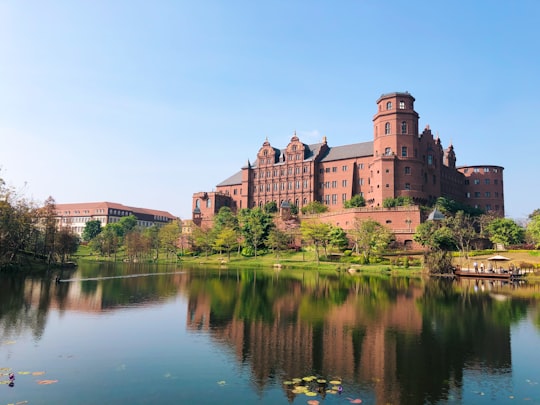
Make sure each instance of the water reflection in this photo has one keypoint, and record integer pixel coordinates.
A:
(396, 340)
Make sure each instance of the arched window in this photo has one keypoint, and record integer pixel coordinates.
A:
(208, 203)
(387, 128)
(197, 203)
(403, 127)
(389, 105)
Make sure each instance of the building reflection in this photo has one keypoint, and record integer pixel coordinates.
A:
(405, 341)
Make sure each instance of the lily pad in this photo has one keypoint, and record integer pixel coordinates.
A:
(335, 382)
(47, 382)
(311, 394)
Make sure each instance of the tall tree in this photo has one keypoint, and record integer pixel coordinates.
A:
(370, 238)
(91, 230)
(169, 236)
(533, 230)
(226, 239)
(255, 225)
(67, 243)
(278, 240)
(505, 231)
(316, 233)
(48, 220)
(203, 239)
(463, 231)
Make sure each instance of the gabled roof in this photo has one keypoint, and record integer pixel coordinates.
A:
(233, 180)
(351, 151)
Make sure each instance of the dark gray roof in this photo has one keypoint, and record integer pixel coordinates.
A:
(349, 151)
(233, 180)
(334, 153)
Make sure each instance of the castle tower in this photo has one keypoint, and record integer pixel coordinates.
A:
(396, 168)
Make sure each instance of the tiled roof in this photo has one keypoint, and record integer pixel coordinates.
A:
(107, 204)
(231, 181)
(349, 151)
(334, 153)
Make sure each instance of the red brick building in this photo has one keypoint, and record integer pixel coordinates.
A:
(399, 161)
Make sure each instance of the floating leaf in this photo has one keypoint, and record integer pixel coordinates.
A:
(313, 402)
(321, 381)
(296, 380)
(355, 401)
(311, 393)
(21, 402)
(24, 372)
(5, 382)
(335, 382)
(331, 391)
(288, 383)
(46, 382)
(38, 372)
(222, 382)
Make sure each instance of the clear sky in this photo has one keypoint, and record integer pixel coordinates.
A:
(146, 102)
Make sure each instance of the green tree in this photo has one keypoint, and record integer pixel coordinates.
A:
(203, 239)
(439, 241)
(127, 224)
(254, 226)
(338, 238)
(151, 236)
(355, 201)
(270, 207)
(314, 207)
(91, 230)
(317, 234)
(47, 216)
(370, 238)
(226, 239)
(400, 201)
(278, 240)
(505, 231)
(225, 218)
(533, 230)
(169, 235)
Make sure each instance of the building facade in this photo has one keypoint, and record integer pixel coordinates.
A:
(75, 216)
(399, 161)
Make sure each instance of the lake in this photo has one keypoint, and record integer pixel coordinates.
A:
(143, 334)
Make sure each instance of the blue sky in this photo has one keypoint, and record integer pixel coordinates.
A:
(146, 102)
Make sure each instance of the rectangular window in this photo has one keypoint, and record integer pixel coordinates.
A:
(407, 170)
(486, 169)
(327, 170)
(488, 194)
(334, 199)
(344, 183)
(361, 182)
(486, 181)
(344, 168)
(334, 169)
(430, 159)
(495, 181)
(407, 186)
(477, 194)
(334, 184)
(476, 170)
(344, 197)
(361, 166)
(468, 195)
(327, 199)
(476, 181)
(488, 207)
(404, 151)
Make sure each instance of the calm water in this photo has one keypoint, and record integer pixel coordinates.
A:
(125, 334)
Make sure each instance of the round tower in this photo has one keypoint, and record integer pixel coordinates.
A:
(396, 168)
